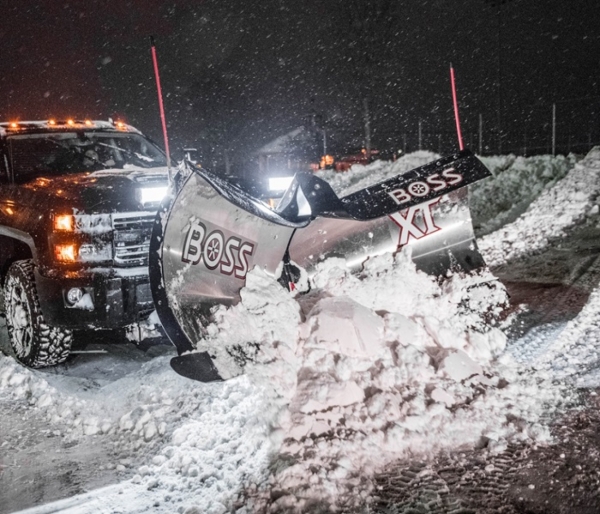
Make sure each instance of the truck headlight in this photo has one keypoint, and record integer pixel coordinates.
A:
(81, 238)
(65, 252)
(153, 194)
(85, 252)
(63, 223)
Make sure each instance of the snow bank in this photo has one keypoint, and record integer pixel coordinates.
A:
(515, 184)
(358, 176)
(371, 368)
(549, 217)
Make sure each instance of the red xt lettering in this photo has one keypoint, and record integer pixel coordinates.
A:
(408, 227)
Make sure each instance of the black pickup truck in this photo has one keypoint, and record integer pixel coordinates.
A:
(77, 203)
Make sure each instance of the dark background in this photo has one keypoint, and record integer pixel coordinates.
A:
(236, 74)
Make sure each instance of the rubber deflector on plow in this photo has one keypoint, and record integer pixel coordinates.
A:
(210, 233)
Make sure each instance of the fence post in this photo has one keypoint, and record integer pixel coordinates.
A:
(554, 129)
(420, 134)
(480, 134)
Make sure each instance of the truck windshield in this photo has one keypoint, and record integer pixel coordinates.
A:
(51, 154)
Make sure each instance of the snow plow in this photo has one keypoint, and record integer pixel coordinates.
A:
(209, 233)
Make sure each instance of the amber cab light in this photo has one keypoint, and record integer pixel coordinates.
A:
(64, 223)
(65, 252)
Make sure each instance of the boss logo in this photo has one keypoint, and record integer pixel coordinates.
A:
(421, 188)
(227, 256)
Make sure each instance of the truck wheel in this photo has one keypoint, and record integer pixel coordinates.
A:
(35, 343)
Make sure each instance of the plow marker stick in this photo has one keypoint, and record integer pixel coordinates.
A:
(455, 101)
(160, 105)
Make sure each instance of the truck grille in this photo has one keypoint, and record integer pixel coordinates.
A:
(132, 238)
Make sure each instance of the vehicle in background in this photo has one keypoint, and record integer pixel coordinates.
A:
(361, 156)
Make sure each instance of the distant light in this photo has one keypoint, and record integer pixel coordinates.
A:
(88, 123)
(14, 125)
(153, 194)
(120, 125)
(70, 122)
(51, 122)
(279, 183)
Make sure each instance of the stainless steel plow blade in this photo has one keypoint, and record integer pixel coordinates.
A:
(207, 238)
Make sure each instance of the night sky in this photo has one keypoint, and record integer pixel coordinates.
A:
(237, 73)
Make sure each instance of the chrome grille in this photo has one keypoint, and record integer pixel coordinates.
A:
(131, 238)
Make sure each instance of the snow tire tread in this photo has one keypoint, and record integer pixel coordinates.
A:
(49, 345)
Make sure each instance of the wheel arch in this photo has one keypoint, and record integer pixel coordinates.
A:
(15, 245)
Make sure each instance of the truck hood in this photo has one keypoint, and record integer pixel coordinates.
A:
(106, 191)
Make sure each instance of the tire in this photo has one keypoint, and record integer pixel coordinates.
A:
(35, 343)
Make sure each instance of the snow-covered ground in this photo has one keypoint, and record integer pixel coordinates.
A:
(364, 370)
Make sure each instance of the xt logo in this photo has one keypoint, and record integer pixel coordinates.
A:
(415, 222)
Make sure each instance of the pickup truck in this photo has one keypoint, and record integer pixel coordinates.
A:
(77, 202)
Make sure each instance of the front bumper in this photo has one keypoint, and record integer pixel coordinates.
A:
(114, 298)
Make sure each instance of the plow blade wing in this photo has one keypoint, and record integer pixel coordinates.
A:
(211, 233)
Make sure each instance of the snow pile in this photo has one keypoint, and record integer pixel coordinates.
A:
(72, 413)
(358, 177)
(516, 182)
(556, 210)
(370, 368)
(215, 442)
(179, 441)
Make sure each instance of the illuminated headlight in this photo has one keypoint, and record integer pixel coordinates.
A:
(153, 194)
(279, 183)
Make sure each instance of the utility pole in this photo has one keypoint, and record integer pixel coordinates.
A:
(420, 135)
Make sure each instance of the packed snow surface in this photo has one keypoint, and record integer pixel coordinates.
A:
(324, 389)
